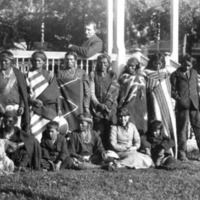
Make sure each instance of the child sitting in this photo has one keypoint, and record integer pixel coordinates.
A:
(158, 146)
(55, 154)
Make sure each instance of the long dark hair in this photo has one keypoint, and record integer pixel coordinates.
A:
(156, 125)
(156, 57)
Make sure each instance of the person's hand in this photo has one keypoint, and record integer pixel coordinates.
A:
(87, 110)
(161, 152)
(38, 103)
(20, 111)
(148, 152)
(58, 165)
(104, 108)
(70, 45)
(2, 110)
(59, 112)
(133, 148)
(86, 158)
(12, 146)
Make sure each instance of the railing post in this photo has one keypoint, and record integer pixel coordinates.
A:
(119, 46)
(174, 21)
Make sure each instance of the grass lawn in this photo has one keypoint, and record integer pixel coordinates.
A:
(149, 184)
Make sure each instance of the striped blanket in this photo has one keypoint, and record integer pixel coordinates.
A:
(159, 102)
(132, 95)
(42, 90)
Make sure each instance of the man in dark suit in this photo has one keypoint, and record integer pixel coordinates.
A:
(91, 45)
(186, 92)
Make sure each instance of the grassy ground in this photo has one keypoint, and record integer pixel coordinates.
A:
(150, 184)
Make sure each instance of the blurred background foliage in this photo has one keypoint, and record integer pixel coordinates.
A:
(145, 21)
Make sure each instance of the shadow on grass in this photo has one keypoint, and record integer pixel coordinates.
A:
(26, 193)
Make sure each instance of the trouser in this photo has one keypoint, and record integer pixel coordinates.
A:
(182, 117)
(66, 164)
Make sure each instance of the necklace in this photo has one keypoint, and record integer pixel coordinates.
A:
(9, 74)
(72, 73)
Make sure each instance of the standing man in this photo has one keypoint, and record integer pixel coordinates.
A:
(104, 94)
(91, 45)
(74, 89)
(13, 90)
(185, 91)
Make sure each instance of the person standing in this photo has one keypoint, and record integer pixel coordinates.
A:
(159, 96)
(13, 90)
(132, 94)
(186, 92)
(74, 90)
(104, 94)
(92, 45)
(45, 104)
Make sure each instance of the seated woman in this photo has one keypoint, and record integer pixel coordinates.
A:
(125, 141)
(85, 145)
(22, 147)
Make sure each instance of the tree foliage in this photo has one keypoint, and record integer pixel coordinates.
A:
(146, 21)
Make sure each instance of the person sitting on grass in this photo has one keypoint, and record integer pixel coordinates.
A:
(55, 154)
(21, 147)
(85, 144)
(125, 141)
(155, 144)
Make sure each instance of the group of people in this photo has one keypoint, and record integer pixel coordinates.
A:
(112, 122)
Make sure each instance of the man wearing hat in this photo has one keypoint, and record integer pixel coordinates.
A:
(85, 144)
(13, 91)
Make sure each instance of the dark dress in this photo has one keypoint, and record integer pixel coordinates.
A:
(27, 155)
(79, 148)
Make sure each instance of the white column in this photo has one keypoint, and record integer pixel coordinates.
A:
(110, 25)
(174, 29)
(119, 47)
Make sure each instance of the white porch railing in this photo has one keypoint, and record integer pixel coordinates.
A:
(55, 60)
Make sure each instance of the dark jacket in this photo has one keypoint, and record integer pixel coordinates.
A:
(31, 144)
(54, 152)
(156, 144)
(185, 91)
(25, 123)
(89, 48)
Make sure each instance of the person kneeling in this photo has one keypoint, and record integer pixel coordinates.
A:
(55, 154)
(85, 145)
(22, 148)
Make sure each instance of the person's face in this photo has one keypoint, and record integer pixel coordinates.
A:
(83, 125)
(131, 68)
(38, 63)
(186, 66)
(53, 133)
(89, 30)
(156, 133)
(103, 65)
(5, 64)
(123, 120)
(157, 64)
(70, 62)
(9, 122)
